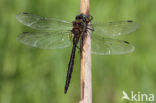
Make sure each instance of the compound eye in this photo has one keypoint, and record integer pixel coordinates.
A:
(84, 16)
(84, 19)
(77, 17)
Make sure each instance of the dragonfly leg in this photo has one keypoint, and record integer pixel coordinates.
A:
(90, 18)
(78, 47)
(71, 36)
(92, 29)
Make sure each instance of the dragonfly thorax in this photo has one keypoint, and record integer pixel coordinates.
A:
(80, 24)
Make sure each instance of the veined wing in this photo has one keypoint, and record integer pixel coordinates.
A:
(45, 40)
(109, 46)
(112, 29)
(43, 23)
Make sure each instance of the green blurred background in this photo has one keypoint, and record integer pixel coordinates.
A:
(30, 75)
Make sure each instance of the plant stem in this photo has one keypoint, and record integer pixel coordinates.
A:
(85, 66)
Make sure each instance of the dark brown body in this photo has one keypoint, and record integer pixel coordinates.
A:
(79, 28)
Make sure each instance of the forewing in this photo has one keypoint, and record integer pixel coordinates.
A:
(112, 29)
(109, 46)
(45, 40)
(43, 23)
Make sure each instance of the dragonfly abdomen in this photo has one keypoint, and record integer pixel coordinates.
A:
(70, 68)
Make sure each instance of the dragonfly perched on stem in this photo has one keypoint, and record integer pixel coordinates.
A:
(54, 33)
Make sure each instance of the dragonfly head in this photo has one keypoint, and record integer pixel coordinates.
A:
(84, 17)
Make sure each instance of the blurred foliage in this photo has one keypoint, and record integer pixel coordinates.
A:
(30, 75)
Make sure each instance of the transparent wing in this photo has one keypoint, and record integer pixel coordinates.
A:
(109, 46)
(45, 40)
(111, 29)
(43, 23)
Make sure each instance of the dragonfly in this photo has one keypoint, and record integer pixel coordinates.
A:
(54, 33)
